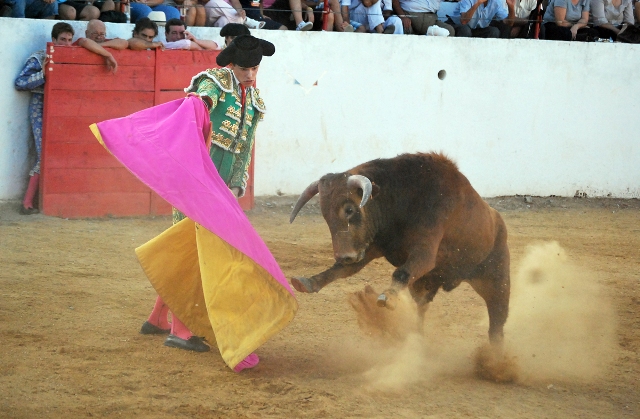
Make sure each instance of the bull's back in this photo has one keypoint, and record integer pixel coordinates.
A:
(421, 193)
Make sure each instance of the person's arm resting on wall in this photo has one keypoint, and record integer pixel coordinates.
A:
(138, 44)
(94, 47)
(201, 43)
(116, 43)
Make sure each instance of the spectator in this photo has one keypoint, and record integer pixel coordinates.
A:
(522, 22)
(220, 12)
(96, 41)
(282, 10)
(637, 10)
(484, 18)
(366, 16)
(32, 78)
(142, 8)
(97, 32)
(33, 9)
(566, 20)
(178, 37)
(255, 10)
(77, 10)
(231, 30)
(334, 16)
(193, 12)
(144, 32)
(391, 20)
(611, 16)
(418, 16)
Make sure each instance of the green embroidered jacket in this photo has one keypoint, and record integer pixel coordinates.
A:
(233, 128)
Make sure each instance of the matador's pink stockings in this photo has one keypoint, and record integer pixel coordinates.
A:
(159, 315)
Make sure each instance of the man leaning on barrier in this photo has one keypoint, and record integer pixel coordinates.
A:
(178, 37)
(96, 41)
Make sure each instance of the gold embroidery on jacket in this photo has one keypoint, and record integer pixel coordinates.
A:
(229, 127)
(234, 113)
(225, 143)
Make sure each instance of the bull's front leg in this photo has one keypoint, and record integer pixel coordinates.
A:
(421, 260)
(338, 270)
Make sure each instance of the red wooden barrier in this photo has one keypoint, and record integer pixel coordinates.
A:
(79, 178)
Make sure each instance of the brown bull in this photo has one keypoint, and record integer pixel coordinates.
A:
(425, 218)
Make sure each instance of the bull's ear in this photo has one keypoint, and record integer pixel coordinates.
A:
(375, 189)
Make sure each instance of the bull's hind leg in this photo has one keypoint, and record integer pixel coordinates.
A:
(491, 281)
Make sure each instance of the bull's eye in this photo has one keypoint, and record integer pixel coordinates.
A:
(348, 212)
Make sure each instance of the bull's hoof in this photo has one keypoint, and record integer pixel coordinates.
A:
(387, 302)
(302, 284)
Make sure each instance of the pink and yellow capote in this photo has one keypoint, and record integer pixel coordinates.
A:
(212, 269)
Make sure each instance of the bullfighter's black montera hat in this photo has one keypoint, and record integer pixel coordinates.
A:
(245, 51)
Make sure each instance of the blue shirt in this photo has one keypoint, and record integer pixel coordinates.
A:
(485, 13)
(573, 11)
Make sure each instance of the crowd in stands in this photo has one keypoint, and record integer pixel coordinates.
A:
(569, 20)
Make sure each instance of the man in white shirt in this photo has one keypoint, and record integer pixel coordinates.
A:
(178, 37)
(523, 13)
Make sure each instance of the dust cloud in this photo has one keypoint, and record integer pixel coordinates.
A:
(398, 354)
(561, 326)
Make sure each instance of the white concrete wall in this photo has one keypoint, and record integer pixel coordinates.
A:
(519, 117)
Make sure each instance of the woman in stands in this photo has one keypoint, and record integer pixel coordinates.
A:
(610, 17)
(566, 20)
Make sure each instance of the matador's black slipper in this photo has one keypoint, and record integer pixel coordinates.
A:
(151, 329)
(194, 343)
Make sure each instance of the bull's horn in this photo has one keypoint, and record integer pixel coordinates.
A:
(310, 192)
(363, 183)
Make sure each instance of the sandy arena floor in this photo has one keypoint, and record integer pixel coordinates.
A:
(73, 297)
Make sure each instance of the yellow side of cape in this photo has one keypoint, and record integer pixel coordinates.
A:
(215, 290)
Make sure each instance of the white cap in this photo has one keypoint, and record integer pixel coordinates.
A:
(437, 31)
(159, 17)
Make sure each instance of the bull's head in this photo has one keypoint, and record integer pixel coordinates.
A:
(342, 200)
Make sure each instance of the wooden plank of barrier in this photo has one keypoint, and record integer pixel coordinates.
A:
(80, 155)
(177, 68)
(158, 206)
(73, 129)
(99, 105)
(98, 77)
(79, 55)
(118, 204)
(165, 96)
(93, 180)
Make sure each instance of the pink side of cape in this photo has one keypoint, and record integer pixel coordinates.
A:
(164, 147)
